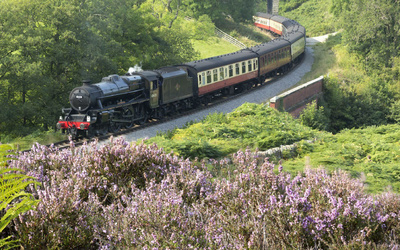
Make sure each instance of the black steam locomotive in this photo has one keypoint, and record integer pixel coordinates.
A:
(122, 101)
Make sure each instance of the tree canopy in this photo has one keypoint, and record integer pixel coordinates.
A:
(371, 28)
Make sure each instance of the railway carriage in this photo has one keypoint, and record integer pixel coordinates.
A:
(262, 20)
(274, 57)
(222, 74)
(277, 24)
(298, 44)
(296, 35)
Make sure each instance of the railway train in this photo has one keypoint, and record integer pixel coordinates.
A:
(123, 101)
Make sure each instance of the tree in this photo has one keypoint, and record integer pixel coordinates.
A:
(371, 29)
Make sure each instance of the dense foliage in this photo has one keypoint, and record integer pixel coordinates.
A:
(371, 152)
(125, 195)
(363, 87)
(371, 29)
(314, 15)
(249, 126)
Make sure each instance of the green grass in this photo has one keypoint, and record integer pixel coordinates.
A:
(213, 47)
(372, 154)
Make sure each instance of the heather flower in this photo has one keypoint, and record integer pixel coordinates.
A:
(124, 195)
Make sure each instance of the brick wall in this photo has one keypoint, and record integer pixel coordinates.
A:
(296, 99)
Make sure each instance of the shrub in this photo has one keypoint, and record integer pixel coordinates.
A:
(178, 204)
(314, 117)
(218, 135)
(77, 184)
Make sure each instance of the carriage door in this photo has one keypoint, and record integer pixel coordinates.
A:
(154, 94)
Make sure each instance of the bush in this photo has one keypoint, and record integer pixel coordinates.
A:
(314, 117)
(77, 184)
(218, 135)
(178, 204)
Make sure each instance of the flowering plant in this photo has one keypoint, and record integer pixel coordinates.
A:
(124, 195)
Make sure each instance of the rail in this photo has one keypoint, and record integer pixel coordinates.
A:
(226, 37)
(229, 38)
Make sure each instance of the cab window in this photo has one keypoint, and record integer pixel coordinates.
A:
(154, 85)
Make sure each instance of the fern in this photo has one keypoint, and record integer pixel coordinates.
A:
(13, 199)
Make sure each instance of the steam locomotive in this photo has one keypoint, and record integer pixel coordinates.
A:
(123, 101)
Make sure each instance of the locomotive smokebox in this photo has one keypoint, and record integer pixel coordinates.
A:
(84, 97)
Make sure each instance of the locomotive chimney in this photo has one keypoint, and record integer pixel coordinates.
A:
(86, 82)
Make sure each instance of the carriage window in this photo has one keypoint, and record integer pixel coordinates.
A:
(230, 70)
(221, 73)
(226, 71)
(154, 84)
(199, 80)
(249, 65)
(254, 64)
(208, 77)
(203, 78)
(215, 75)
(243, 67)
(237, 69)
